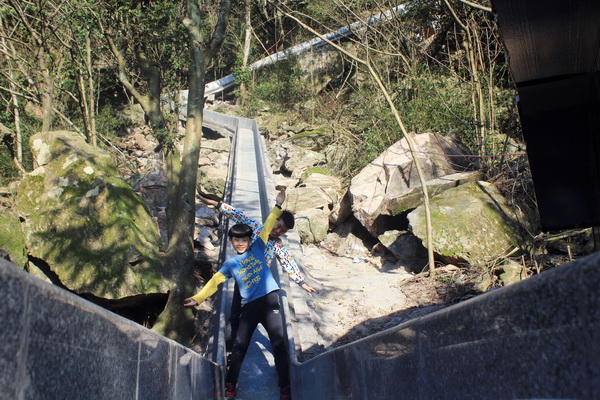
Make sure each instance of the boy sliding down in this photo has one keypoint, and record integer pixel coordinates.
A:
(260, 303)
(275, 247)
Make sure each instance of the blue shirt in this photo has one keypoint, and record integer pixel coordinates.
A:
(251, 272)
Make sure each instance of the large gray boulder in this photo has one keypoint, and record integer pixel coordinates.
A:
(298, 160)
(313, 139)
(312, 225)
(307, 198)
(90, 229)
(407, 248)
(320, 66)
(310, 206)
(213, 166)
(312, 202)
(472, 223)
(390, 185)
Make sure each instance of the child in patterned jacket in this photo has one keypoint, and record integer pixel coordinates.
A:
(260, 302)
(275, 247)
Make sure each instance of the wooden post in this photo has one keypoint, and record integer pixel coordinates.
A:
(596, 237)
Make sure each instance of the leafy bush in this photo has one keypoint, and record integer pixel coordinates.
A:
(280, 84)
(110, 122)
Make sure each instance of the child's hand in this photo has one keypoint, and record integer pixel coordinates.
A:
(206, 201)
(280, 196)
(307, 288)
(189, 302)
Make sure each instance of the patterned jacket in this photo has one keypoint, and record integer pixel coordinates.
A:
(275, 247)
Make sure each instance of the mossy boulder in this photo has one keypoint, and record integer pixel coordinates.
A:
(12, 240)
(314, 139)
(316, 170)
(472, 223)
(298, 160)
(390, 184)
(312, 225)
(90, 228)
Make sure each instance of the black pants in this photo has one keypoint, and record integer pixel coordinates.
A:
(234, 316)
(265, 311)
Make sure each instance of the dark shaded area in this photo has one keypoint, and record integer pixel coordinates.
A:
(211, 134)
(553, 50)
(398, 222)
(143, 309)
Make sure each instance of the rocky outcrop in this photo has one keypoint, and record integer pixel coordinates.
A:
(320, 66)
(295, 152)
(312, 202)
(90, 230)
(389, 185)
(298, 159)
(407, 248)
(213, 166)
(472, 223)
(312, 225)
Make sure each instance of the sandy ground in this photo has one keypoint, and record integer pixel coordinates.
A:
(356, 297)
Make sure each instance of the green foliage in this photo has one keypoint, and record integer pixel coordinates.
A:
(280, 84)
(242, 74)
(436, 103)
(110, 122)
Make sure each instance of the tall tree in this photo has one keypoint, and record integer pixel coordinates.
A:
(42, 55)
(41, 22)
(174, 321)
(145, 37)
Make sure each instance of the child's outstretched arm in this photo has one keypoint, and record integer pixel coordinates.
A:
(237, 216)
(272, 218)
(290, 266)
(208, 290)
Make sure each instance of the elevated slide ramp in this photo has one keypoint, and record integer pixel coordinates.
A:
(534, 340)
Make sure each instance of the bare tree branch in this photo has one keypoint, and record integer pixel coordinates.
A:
(475, 5)
(406, 134)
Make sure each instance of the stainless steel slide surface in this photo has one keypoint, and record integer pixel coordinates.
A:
(538, 339)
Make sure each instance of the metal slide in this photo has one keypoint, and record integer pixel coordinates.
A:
(250, 189)
(228, 81)
(536, 339)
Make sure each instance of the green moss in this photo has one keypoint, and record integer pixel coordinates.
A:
(29, 193)
(315, 170)
(306, 134)
(12, 239)
(471, 222)
(90, 227)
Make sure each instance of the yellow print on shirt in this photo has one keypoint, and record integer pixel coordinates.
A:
(253, 281)
(250, 268)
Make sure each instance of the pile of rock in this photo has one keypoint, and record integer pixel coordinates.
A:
(472, 222)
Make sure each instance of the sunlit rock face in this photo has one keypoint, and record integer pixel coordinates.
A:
(472, 223)
(390, 184)
(89, 229)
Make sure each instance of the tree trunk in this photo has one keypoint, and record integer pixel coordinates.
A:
(175, 321)
(16, 113)
(247, 42)
(92, 139)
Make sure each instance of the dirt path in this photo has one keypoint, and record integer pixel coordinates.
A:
(356, 297)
